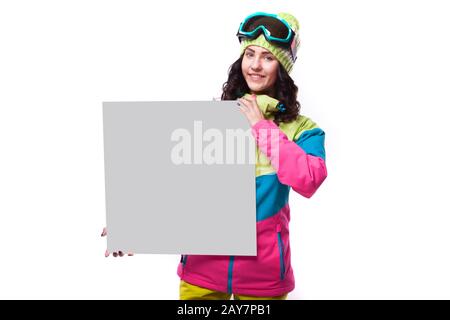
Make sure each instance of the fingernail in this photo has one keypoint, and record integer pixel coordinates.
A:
(106, 253)
(115, 254)
(121, 253)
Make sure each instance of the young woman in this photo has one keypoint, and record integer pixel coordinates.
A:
(267, 96)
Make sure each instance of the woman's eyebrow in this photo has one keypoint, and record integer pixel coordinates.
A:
(264, 52)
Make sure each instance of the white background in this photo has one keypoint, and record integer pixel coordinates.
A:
(374, 75)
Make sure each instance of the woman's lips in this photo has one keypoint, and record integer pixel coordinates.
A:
(256, 77)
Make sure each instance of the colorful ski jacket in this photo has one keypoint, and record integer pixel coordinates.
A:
(291, 155)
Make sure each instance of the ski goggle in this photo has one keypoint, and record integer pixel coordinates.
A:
(275, 29)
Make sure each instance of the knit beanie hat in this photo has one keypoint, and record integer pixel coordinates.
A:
(283, 55)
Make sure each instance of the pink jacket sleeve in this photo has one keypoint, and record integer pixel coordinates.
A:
(299, 164)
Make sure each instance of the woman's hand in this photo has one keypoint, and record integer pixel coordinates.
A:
(116, 253)
(250, 108)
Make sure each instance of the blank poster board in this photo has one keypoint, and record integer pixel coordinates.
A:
(169, 188)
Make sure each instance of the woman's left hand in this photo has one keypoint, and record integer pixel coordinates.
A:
(249, 107)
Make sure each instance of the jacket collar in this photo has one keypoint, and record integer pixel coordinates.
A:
(267, 104)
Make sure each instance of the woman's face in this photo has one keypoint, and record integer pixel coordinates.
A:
(260, 69)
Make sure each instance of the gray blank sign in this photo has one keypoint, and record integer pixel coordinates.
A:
(154, 205)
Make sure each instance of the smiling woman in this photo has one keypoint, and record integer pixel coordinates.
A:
(268, 51)
(260, 69)
(267, 95)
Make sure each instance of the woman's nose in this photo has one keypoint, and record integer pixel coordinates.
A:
(256, 64)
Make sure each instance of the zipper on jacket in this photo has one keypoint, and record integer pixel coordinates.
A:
(281, 250)
(183, 259)
(230, 275)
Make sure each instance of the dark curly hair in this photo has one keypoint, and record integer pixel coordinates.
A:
(285, 91)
